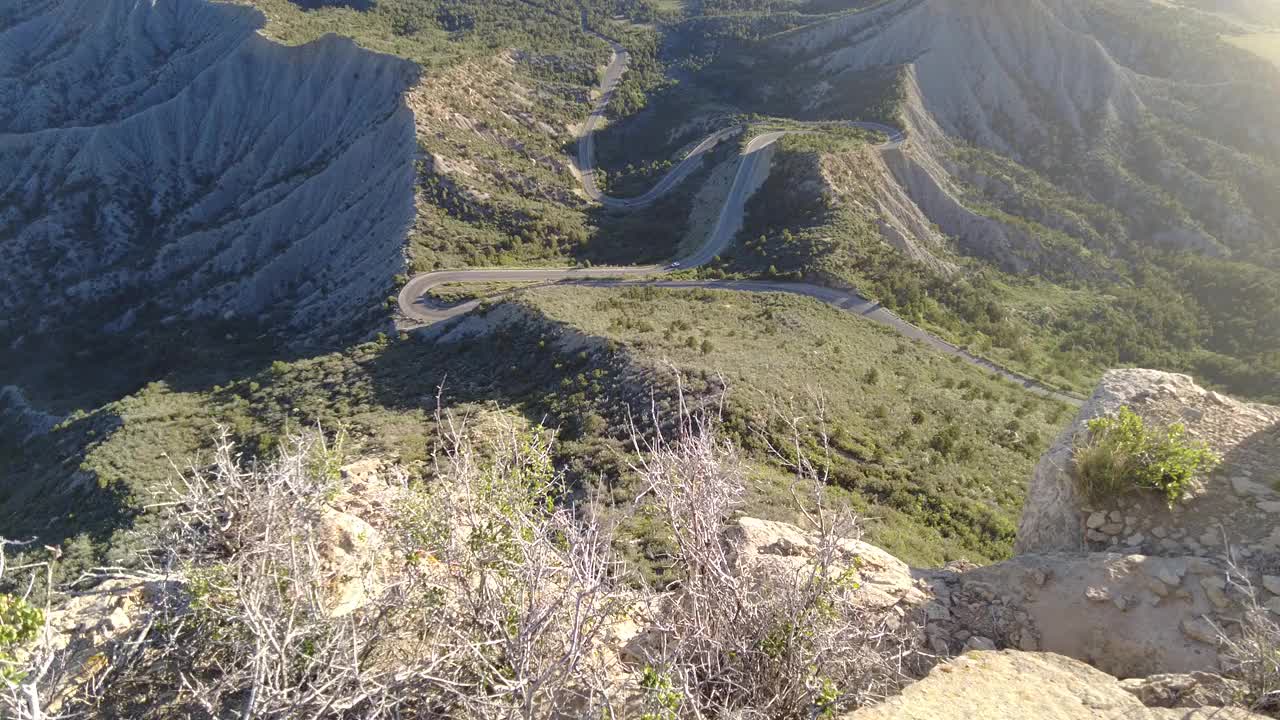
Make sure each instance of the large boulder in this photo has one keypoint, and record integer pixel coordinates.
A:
(354, 554)
(1034, 686)
(783, 552)
(1238, 504)
(91, 628)
(353, 557)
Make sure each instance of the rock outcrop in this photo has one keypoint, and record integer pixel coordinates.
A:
(1238, 503)
(354, 553)
(91, 628)
(784, 552)
(1134, 588)
(1190, 690)
(1130, 616)
(1002, 685)
(163, 162)
(1127, 615)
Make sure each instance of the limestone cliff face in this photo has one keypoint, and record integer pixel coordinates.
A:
(162, 161)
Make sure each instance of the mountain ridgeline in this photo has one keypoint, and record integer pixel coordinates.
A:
(167, 168)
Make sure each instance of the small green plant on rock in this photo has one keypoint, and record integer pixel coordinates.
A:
(1123, 455)
(20, 621)
(661, 700)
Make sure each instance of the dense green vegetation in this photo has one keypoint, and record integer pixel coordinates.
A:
(1118, 304)
(451, 293)
(1123, 455)
(937, 451)
(1156, 306)
(441, 33)
(20, 623)
(723, 67)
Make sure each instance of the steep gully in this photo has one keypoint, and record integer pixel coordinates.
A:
(419, 309)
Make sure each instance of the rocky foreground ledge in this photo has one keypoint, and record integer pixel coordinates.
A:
(1134, 590)
(985, 685)
(1106, 612)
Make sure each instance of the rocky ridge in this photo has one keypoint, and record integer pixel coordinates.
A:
(164, 162)
(864, 177)
(1061, 87)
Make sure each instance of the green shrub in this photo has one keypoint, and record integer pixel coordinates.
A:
(1124, 455)
(19, 624)
(946, 441)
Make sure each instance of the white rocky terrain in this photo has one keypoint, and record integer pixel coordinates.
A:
(164, 162)
(986, 685)
(1073, 89)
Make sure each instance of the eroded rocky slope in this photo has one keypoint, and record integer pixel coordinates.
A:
(163, 163)
(1128, 104)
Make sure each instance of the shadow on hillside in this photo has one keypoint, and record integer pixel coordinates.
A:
(516, 357)
(652, 234)
(92, 370)
(1256, 459)
(361, 5)
(45, 497)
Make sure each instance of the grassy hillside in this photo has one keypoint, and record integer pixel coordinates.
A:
(938, 451)
(935, 451)
(1213, 317)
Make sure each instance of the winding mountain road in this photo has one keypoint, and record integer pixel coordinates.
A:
(420, 309)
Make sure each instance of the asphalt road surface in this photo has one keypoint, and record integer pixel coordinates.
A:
(420, 309)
